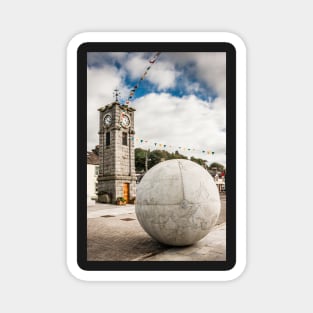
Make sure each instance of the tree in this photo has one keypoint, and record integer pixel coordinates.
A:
(177, 155)
(219, 167)
(140, 158)
(200, 162)
(156, 156)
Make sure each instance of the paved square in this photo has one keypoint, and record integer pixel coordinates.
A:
(114, 234)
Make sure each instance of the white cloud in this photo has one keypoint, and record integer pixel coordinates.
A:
(162, 73)
(210, 67)
(98, 58)
(160, 117)
(136, 65)
(213, 70)
(101, 82)
(187, 122)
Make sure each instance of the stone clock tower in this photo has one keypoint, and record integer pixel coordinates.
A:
(117, 176)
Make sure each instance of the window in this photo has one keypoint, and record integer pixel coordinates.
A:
(107, 141)
(124, 139)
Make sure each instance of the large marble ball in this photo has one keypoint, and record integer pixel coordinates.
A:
(177, 202)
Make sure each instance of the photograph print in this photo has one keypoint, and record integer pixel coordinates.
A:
(158, 134)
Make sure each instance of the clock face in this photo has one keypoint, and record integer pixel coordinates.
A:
(125, 120)
(107, 120)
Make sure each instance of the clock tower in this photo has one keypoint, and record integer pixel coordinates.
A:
(117, 176)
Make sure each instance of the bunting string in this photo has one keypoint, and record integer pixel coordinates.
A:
(157, 145)
(147, 69)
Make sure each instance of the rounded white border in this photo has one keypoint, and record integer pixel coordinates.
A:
(72, 47)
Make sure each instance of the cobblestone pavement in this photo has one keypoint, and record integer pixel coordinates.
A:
(114, 234)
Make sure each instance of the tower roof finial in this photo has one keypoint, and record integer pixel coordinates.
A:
(116, 94)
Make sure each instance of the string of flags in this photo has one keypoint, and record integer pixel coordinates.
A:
(133, 90)
(158, 145)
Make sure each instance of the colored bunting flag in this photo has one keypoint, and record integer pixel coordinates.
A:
(171, 146)
(133, 90)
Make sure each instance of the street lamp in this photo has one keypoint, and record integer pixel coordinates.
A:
(147, 160)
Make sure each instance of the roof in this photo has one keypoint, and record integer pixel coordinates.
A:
(93, 156)
(109, 106)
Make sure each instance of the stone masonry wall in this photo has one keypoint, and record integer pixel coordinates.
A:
(117, 161)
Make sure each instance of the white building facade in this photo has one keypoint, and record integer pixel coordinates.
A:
(92, 174)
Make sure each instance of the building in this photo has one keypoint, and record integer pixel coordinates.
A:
(117, 176)
(92, 175)
(220, 183)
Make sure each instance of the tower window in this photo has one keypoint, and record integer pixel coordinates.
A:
(107, 139)
(124, 139)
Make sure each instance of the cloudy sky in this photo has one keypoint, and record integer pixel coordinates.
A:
(180, 103)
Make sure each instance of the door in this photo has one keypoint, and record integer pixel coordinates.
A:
(126, 192)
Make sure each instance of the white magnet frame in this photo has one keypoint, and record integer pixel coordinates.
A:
(71, 248)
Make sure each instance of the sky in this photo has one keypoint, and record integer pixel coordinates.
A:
(180, 104)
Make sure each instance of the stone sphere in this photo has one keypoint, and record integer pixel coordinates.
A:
(177, 202)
